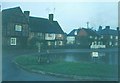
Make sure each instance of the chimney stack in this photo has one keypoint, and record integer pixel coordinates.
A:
(107, 27)
(100, 28)
(27, 13)
(51, 16)
(118, 28)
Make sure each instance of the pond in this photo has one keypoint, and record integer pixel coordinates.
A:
(102, 57)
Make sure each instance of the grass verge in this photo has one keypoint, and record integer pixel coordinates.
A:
(69, 68)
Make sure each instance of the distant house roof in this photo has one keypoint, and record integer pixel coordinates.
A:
(13, 15)
(89, 32)
(72, 33)
(107, 32)
(44, 25)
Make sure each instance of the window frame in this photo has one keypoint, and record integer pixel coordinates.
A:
(13, 41)
(18, 27)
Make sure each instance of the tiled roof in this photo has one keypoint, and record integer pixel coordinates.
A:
(13, 15)
(44, 25)
(89, 31)
(72, 33)
(107, 32)
(57, 27)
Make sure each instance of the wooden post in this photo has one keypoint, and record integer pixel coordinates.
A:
(39, 47)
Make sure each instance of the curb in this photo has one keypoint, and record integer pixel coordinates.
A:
(75, 77)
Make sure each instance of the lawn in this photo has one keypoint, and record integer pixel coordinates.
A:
(69, 68)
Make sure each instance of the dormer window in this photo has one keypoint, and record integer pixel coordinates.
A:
(18, 28)
(75, 32)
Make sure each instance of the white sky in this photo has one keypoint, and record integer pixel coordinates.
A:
(72, 15)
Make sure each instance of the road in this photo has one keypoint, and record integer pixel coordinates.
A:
(11, 72)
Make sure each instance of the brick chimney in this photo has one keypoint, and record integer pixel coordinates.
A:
(27, 13)
(118, 28)
(51, 16)
(107, 27)
(100, 28)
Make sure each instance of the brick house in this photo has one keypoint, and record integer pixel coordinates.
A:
(47, 32)
(109, 36)
(83, 38)
(15, 30)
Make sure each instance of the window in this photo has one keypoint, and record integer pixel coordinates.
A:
(96, 37)
(39, 34)
(116, 43)
(59, 35)
(18, 28)
(111, 37)
(95, 42)
(101, 36)
(99, 43)
(116, 37)
(49, 36)
(75, 32)
(92, 43)
(110, 43)
(90, 36)
(49, 43)
(60, 43)
(13, 41)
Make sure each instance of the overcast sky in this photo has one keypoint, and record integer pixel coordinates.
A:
(73, 15)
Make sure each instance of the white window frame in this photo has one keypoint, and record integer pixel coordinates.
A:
(101, 36)
(18, 28)
(116, 43)
(75, 33)
(49, 43)
(95, 37)
(49, 36)
(91, 37)
(111, 37)
(12, 41)
(39, 34)
(110, 43)
(59, 35)
(60, 43)
(116, 37)
(99, 43)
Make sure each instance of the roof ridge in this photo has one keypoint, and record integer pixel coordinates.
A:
(38, 17)
(18, 7)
